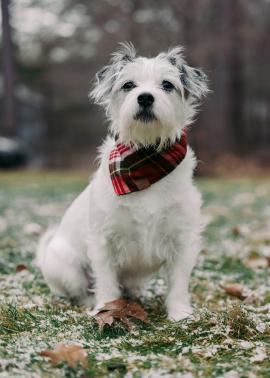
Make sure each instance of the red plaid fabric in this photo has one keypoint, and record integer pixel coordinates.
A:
(132, 170)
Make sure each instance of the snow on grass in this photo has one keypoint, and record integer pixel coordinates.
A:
(226, 336)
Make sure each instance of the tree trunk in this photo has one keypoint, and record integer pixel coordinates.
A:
(9, 73)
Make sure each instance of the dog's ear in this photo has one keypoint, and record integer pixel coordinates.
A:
(175, 56)
(193, 80)
(106, 77)
(126, 53)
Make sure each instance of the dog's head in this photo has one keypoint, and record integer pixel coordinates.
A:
(149, 100)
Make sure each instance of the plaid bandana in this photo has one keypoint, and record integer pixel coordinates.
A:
(132, 170)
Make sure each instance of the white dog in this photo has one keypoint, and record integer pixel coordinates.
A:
(123, 228)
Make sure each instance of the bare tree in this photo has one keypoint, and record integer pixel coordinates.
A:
(9, 72)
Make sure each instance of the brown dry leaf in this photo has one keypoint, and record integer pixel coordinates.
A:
(251, 299)
(120, 309)
(117, 304)
(235, 290)
(257, 262)
(103, 318)
(20, 268)
(72, 354)
(128, 324)
(236, 231)
(199, 353)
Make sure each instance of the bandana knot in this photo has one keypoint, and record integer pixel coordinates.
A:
(132, 169)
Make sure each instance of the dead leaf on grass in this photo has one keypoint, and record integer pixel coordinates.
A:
(235, 290)
(120, 309)
(257, 262)
(32, 229)
(21, 267)
(72, 354)
(241, 230)
(236, 231)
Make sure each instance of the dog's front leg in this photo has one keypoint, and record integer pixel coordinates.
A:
(106, 282)
(179, 271)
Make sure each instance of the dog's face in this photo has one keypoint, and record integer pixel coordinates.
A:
(149, 100)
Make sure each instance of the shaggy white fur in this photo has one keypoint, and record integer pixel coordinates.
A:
(106, 243)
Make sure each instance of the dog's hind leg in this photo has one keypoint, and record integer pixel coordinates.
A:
(64, 272)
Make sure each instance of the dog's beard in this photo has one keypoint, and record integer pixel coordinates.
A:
(142, 133)
(145, 116)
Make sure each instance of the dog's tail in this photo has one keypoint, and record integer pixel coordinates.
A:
(42, 246)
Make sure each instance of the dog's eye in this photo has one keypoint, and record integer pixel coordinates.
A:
(128, 86)
(167, 86)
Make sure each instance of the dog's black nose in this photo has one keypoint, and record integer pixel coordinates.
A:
(145, 99)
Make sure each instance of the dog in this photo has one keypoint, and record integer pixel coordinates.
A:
(141, 211)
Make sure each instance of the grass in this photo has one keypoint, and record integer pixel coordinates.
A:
(226, 337)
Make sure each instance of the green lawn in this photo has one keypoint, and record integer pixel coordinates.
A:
(227, 337)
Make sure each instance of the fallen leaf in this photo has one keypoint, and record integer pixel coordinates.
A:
(236, 231)
(72, 354)
(120, 309)
(60, 302)
(235, 290)
(128, 324)
(241, 230)
(103, 318)
(32, 229)
(257, 262)
(20, 268)
(252, 298)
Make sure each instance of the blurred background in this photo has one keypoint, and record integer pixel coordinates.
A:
(51, 49)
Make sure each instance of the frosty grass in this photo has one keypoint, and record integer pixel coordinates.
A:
(226, 337)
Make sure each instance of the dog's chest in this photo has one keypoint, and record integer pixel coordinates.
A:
(143, 228)
(142, 233)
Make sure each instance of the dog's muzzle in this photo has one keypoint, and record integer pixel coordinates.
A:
(145, 113)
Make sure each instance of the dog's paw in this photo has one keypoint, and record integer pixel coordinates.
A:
(179, 313)
(96, 309)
